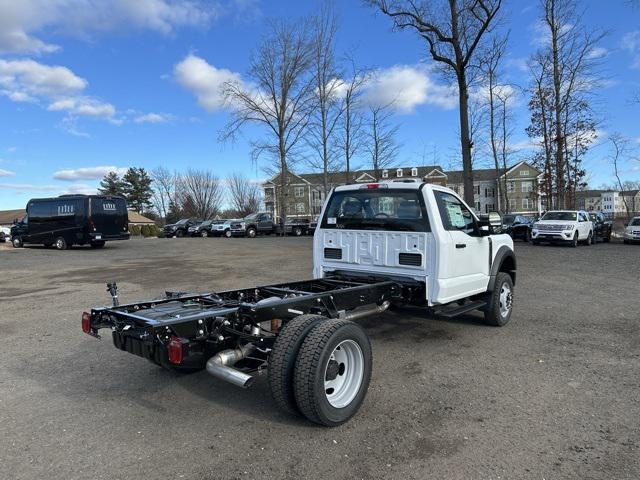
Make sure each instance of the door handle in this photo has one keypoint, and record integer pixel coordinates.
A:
(461, 245)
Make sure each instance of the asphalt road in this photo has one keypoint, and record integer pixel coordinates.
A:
(554, 394)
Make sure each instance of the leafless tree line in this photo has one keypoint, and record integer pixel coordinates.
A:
(202, 194)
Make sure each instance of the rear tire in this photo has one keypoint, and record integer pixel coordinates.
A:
(61, 244)
(500, 301)
(282, 361)
(332, 372)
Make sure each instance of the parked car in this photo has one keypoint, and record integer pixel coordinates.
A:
(632, 231)
(72, 220)
(563, 226)
(389, 243)
(5, 233)
(223, 227)
(254, 224)
(180, 228)
(601, 227)
(297, 226)
(202, 229)
(517, 226)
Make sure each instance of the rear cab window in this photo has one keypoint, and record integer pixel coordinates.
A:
(401, 210)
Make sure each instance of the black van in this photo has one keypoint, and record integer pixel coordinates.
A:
(72, 220)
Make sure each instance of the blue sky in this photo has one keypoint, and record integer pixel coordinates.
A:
(89, 84)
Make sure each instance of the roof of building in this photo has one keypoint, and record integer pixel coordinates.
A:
(8, 216)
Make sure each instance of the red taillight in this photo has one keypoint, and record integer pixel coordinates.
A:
(174, 349)
(373, 185)
(86, 322)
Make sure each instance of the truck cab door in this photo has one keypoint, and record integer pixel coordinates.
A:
(265, 222)
(465, 256)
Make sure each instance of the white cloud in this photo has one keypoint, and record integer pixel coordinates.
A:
(88, 173)
(84, 106)
(153, 118)
(22, 20)
(204, 81)
(33, 79)
(28, 187)
(5, 173)
(79, 188)
(631, 43)
(597, 52)
(407, 87)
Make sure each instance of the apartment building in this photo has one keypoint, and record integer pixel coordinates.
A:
(304, 192)
(612, 203)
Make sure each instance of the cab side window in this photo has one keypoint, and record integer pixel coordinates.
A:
(455, 215)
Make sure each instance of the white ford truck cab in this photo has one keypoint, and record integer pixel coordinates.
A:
(423, 235)
(563, 226)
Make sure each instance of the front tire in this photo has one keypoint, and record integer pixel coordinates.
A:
(251, 232)
(227, 233)
(589, 239)
(17, 242)
(574, 242)
(297, 231)
(282, 361)
(500, 304)
(332, 373)
(204, 234)
(179, 234)
(61, 244)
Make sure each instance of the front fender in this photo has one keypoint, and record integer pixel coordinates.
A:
(504, 256)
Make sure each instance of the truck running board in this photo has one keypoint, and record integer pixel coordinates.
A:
(452, 312)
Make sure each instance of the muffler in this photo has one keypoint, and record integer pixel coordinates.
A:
(370, 311)
(221, 365)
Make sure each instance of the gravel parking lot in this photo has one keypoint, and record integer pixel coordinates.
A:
(554, 394)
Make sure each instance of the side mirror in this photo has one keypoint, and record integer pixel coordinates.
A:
(491, 223)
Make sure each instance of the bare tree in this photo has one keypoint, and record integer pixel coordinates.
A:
(352, 119)
(453, 29)
(380, 141)
(324, 119)
(620, 152)
(164, 190)
(569, 73)
(200, 194)
(244, 194)
(281, 101)
(498, 97)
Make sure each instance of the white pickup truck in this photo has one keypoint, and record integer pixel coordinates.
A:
(563, 226)
(376, 245)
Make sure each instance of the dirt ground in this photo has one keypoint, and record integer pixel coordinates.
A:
(552, 395)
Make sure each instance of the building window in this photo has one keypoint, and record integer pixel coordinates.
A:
(399, 173)
(453, 187)
(385, 174)
(299, 207)
(527, 187)
(489, 208)
(512, 204)
(510, 187)
(298, 192)
(476, 189)
(268, 193)
(527, 204)
(414, 172)
(489, 192)
(524, 173)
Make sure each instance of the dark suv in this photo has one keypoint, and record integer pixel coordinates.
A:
(601, 227)
(180, 228)
(517, 226)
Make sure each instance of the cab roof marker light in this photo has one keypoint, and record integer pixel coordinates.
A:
(373, 186)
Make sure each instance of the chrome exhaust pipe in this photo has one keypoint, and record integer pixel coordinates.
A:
(221, 366)
(371, 311)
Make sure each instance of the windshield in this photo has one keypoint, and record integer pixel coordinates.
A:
(635, 222)
(567, 216)
(253, 216)
(508, 219)
(183, 221)
(593, 217)
(379, 209)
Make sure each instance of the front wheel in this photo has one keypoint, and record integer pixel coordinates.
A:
(297, 231)
(227, 233)
(61, 243)
(500, 301)
(251, 232)
(589, 239)
(17, 242)
(332, 373)
(179, 234)
(204, 234)
(574, 242)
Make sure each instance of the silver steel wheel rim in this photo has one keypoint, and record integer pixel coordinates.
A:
(341, 390)
(59, 244)
(506, 300)
(252, 233)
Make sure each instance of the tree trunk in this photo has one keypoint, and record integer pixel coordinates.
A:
(465, 141)
(557, 92)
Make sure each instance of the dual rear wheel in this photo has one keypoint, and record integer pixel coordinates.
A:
(320, 368)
